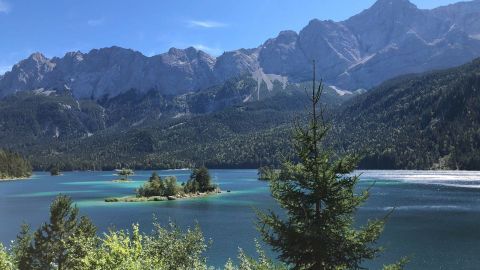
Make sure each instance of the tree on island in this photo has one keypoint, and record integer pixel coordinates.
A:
(54, 170)
(156, 186)
(200, 181)
(319, 198)
(124, 173)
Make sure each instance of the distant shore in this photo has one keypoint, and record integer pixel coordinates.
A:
(163, 198)
(7, 179)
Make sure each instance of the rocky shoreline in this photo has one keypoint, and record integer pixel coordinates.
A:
(184, 196)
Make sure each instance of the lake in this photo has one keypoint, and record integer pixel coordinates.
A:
(435, 221)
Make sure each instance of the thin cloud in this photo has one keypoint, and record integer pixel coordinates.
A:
(96, 22)
(206, 24)
(210, 50)
(4, 7)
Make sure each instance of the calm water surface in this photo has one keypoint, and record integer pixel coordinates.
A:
(436, 219)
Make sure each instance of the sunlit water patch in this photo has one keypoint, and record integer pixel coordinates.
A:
(461, 179)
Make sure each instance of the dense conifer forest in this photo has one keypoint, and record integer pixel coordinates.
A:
(13, 165)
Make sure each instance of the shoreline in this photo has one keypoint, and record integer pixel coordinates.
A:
(15, 179)
(121, 181)
(236, 168)
(188, 196)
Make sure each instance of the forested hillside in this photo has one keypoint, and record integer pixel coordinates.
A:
(431, 121)
(242, 136)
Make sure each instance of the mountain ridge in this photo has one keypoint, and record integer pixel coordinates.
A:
(391, 38)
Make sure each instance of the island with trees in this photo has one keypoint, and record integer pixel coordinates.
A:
(13, 166)
(55, 170)
(124, 174)
(162, 189)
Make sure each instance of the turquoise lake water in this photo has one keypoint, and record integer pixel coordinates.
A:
(436, 219)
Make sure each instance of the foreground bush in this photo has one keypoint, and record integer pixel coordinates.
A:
(164, 248)
(69, 241)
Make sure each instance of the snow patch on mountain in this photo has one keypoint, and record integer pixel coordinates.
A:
(339, 91)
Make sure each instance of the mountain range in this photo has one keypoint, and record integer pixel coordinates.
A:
(420, 121)
(391, 38)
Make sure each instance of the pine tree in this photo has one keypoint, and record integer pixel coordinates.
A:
(54, 244)
(154, 177)
(319, 198)
(202, 177)
(22, 248)
(170, 186)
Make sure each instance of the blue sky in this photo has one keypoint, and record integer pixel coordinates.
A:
(55, 27)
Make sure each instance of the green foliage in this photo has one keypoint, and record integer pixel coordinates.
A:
(397, 266)
(267, 173)
(156, 186)
(319, 199)
(54, 170)
(165, 248)
(249, 263)
(171, 187)
(200, 181)
(56, 244)
(124, 173)
(6, 262)
(13, 165)
(22, 249)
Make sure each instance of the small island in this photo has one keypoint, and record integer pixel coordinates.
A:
(13, 166)
(123, 174)
(158, 189)
(54, 170)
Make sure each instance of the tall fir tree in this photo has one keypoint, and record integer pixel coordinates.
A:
(319, 197)
(54, 244)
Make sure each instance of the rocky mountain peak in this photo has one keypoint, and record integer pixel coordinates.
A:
(287, 36)
(394, 3)
(38, 57)
(77, 56)
(190, 52)
(383, 10)
(36, 63)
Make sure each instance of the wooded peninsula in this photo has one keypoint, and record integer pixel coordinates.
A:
(13, 166)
